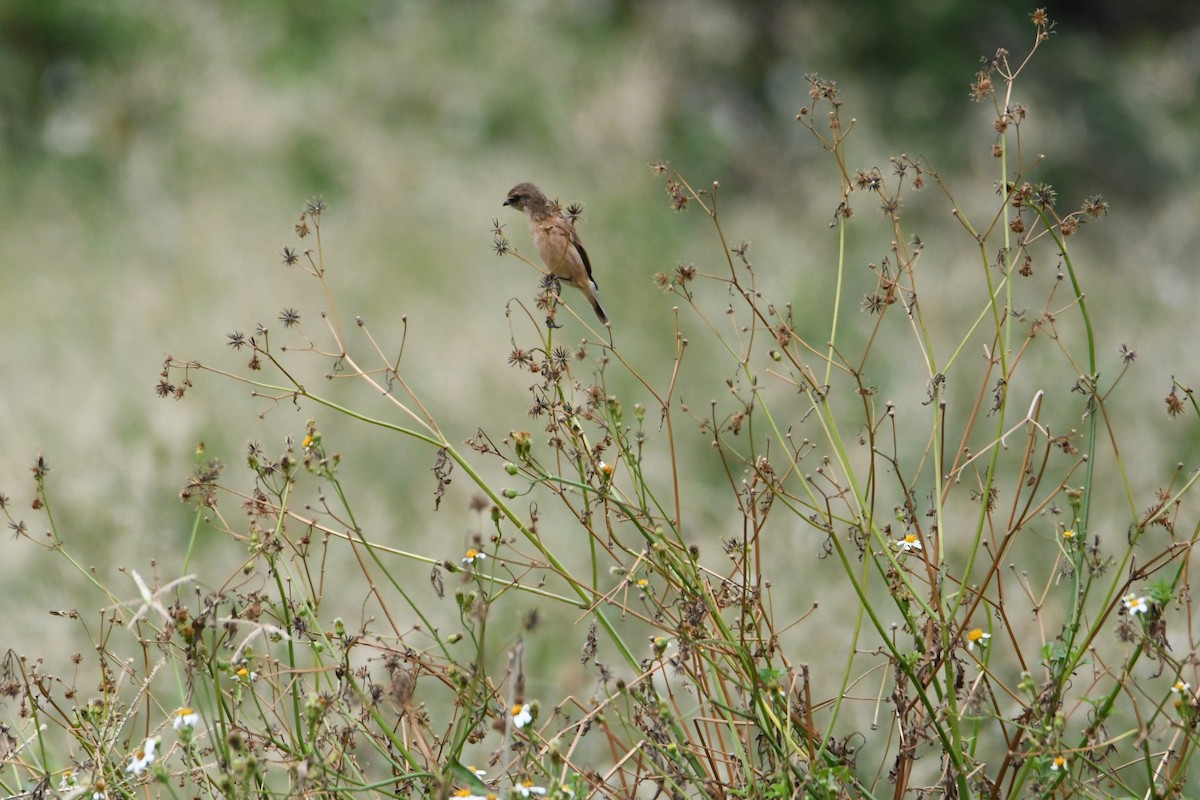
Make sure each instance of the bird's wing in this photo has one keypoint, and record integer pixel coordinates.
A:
(560, 248)
(578, 243)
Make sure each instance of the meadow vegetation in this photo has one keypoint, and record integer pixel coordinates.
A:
(911, 558)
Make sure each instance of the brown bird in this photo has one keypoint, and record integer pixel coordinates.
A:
(557, 241)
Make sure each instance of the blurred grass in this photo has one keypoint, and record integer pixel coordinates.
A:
(156, 156)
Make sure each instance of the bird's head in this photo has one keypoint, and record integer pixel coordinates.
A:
(524, 196)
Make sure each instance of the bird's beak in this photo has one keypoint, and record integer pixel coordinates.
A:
(508, 202)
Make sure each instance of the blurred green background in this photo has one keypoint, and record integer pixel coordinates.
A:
(155, 157)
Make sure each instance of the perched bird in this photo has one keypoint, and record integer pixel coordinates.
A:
(557, 241)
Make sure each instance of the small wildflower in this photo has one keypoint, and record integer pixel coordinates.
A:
(909, 542)
(522, 444)
(467, 794)
(69, 780)
(1185, 701)
(685, 273)
(870, 180)
(519, 357)
(982, 88)
(290, 317)
(1044, 196)
(246, 675)
(473, 556)
(1127, 356)
(1059, 763)
(521, 715)
(1095, 206)
(143, 757)
(977, 637)
(290, 259)
(605, 471)
(679, 200)
(822, 89)
(1135, 605)
(1174, 404)
(185, 719)
(527, 789)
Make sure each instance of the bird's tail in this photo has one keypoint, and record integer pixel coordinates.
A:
(595, 301)
(599, 311)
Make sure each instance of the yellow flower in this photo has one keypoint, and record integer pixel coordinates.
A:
(142, 759)
(521, 715)
(467, 794)
(977, 637)
(1135, 605)
(185, 718)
